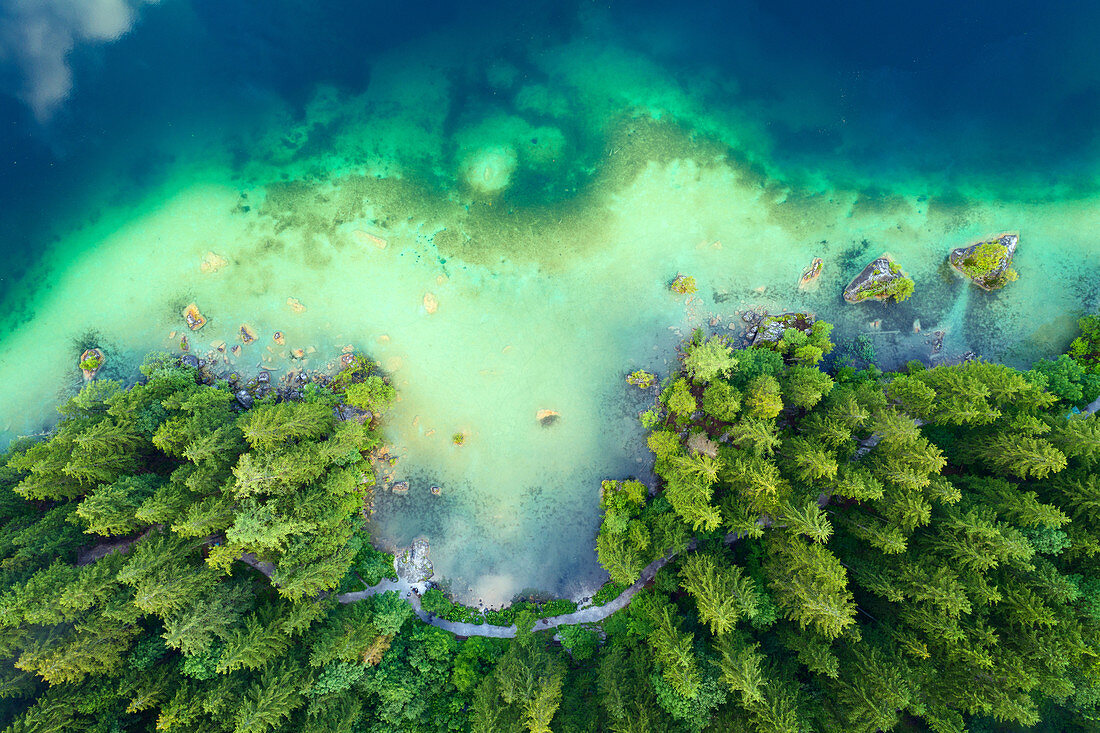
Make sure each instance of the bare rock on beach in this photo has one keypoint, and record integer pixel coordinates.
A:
(412, 564)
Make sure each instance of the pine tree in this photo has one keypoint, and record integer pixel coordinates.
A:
(756, 435)
(722, 594)
(103, 452)
(762, 398)
(1023, 456)
(673, 649)
(721, 401)
(809, 585)
(194, 628)
(709, 360)
(741, 667)
(540, 709)
(808, 462)
(269, 700)
(274, 425)
(805, 386)
(110, 508)
(808, 520)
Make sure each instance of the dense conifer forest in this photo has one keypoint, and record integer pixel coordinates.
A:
(852, 551)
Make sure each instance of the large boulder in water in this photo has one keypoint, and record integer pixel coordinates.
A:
(987, 264)
(881, 280)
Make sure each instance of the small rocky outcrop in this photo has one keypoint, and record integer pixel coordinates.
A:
(987, 264)
(811, 273)
(881, 280)
(91, 361)
(770, 328)
(547, 418)
(194, 317)
(683, 285)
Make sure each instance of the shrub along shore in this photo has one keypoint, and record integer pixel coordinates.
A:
(919, 545)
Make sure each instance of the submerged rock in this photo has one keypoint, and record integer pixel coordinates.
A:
(431, 303)
(987, 264)
(880, 280)
(547, 418)
(211, 263)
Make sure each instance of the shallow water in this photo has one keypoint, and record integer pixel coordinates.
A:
(543, 178)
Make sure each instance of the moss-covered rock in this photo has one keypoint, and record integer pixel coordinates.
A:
(987, 264)
(771, 328)
(881, 280)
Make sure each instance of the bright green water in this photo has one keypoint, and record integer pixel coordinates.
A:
(546, 220)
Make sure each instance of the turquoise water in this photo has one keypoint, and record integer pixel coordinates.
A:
(537, 178)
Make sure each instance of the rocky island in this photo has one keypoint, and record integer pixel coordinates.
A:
(881, 280)
(987, 264)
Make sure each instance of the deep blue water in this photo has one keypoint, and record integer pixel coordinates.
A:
(1003, 95)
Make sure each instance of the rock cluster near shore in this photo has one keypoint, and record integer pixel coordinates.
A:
(987, 264)
(770, 329)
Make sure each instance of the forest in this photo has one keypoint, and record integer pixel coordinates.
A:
(851, 550)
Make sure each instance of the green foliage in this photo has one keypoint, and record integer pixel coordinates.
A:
(721, 401)
(1066, 379)
(679, 400)
(762, 398)
(683, 285)
(373, 394)
(581, 641)
(271, 426)
(641, 379)
(608, 592)
(1085, 348)
(708, 360)
(804, 387)
(957, 506)
(754, 362)
(372, 564)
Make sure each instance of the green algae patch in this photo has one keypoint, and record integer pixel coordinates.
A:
(987, 264)
(881, 280)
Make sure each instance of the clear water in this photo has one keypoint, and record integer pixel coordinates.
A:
(543, 174)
